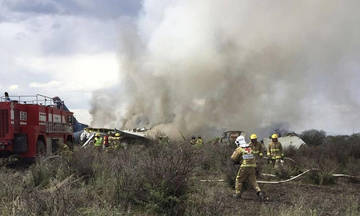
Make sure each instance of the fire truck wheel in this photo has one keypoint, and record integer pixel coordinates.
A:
(40, 148)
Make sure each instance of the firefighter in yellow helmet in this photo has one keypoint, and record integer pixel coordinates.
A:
(199, 142)
(258, 150)
(116, 142)
(275, 151)
(98, 142)
(243, 154)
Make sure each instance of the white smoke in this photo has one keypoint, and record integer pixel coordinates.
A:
(242, 64)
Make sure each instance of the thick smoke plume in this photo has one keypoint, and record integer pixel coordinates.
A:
(203, 65)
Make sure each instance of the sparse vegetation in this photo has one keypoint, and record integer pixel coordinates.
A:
(166, 181)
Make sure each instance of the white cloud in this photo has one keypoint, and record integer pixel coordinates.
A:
(76, 72)
(58, 55)
(13, 87)
(51, 84)
(64, 48)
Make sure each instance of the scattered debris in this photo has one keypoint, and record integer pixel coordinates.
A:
(286, 141)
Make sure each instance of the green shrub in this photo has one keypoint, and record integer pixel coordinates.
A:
(42, 173)
(82, 162)
(65, 201)
(313, 137)
(152, 178)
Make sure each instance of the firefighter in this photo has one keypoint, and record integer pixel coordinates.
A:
(98, 142)
(258, 150)
(116, 142)
(106, 141)
(199, 142)
(7, 98)
(243, 154)
(193, 140)
(275, 151)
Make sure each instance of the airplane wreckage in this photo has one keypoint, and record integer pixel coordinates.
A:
(114, 136)
(146, 136)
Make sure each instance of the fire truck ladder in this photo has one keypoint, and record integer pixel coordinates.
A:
(33, 99)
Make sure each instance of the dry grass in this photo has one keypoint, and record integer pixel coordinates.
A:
(164, 180)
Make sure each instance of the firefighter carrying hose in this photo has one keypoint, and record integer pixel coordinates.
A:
(258, 149)
(275, 151)
(244, 155)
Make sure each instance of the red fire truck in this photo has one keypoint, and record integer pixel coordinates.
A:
(31, 126)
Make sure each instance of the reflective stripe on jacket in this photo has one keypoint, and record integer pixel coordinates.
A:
(257, 148)
(275, 150)
(245, 155)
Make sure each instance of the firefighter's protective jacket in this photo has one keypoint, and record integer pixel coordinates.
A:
(245, 156)
(98, 141)
(275, 150)
(258, 149)
(199, 143)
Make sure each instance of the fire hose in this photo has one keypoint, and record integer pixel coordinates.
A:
(284, 181)
(290, 179)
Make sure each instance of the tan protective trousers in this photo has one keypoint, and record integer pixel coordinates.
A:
(246, 174)
(276, 163)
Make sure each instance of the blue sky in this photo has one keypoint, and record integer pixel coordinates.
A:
(66, 48)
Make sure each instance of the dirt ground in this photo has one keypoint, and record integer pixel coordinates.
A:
(292, 198)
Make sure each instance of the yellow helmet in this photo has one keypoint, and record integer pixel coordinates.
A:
(274, 136)
(97, 134)
(117, 134)
(253, 136)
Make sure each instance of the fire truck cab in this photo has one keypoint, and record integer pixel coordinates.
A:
(32, 126)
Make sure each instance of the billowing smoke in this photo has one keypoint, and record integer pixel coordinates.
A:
(205, 65)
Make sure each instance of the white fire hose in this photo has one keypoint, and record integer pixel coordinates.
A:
(288, 180)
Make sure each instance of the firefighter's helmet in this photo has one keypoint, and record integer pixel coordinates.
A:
(274, 136)
(117, 134)
(253, 136)
(240, 142)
